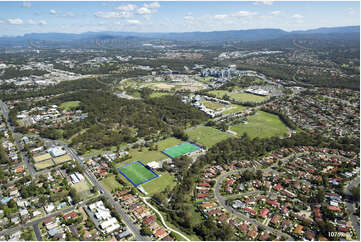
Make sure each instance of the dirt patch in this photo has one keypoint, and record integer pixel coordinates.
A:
(164, 86)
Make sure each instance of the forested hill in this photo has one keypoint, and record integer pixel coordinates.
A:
(87, 40)
(112, 120)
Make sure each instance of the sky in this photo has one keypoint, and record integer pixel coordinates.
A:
(18, 18)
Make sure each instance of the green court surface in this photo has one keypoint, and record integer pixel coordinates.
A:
(137, 173)
(180, 150)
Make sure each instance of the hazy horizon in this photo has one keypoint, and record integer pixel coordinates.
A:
(19, 18)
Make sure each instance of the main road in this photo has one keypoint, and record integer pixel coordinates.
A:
(126, 219)
(5, 112)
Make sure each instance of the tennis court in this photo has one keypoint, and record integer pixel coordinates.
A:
(179, 150)
(137, 173)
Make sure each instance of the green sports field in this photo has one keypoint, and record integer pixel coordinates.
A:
(207, 136)
(136, 173)
(180, 150)
(68, 105)
(239, 96)
(261, 125)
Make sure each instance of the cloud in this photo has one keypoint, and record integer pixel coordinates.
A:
(1, 21)
(101, 14)
(188, 18)
(40, 22)
(351, 11)
(133, 21)
(127, 7)
(26, 4)
(220, 16)
(275, 13)
(147, 17)
(152, 5)
(143, 11)
(266, 2)
(244, 14)
(69, 14)
(15, 21)
(297, 16)
(30, 21)
(52, 11)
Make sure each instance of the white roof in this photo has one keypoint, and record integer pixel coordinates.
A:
(102, 214)
(154, 164)
(108, 223)
(112, 228)
(57, 151)
(79, 176)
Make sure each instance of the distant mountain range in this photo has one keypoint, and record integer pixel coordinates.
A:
(333, 33)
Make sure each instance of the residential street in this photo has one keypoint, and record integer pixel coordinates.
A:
(133, 227)
(37, 232)
(222, 201)
(36, 222)
(351, 207)
(126, 219)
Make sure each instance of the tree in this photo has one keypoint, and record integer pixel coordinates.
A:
(146, 230)
(356, 193)
(74, 195)
(179, 133)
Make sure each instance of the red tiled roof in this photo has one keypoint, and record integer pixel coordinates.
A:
(333, 208)
(243, 228)
(251, 211)
(278, 187)
(159, 233)
(317, 212)
(149, 220)
(70, 215)
(273, 203)
(253, 234)
(342, 229)
(204, 184)
(264, 213)
(48, 220)
(202, 195)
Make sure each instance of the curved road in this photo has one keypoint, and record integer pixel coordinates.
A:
(222, 201)
(163, 222)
